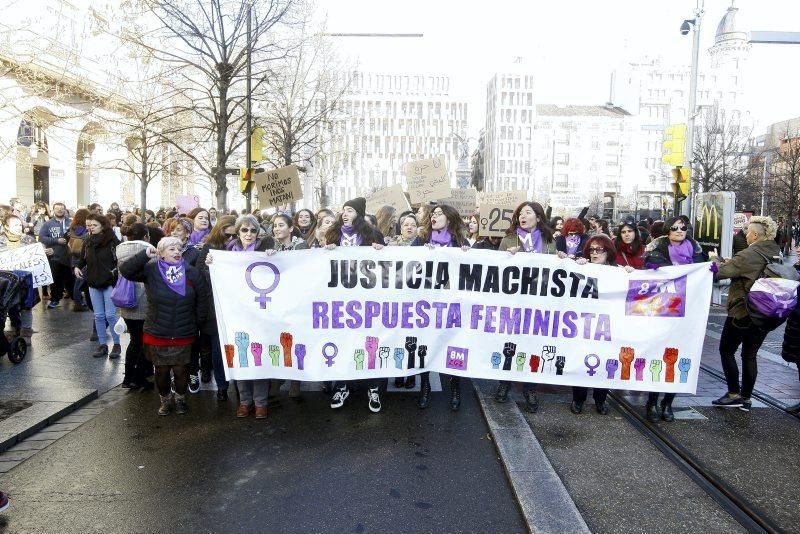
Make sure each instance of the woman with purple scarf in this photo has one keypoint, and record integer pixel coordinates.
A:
(674, 248)
(201, 226)
(181, 228)
(572, 241)
(252, 393)
(352, 230)
(528, 232)
(446, 229)
(177, 297)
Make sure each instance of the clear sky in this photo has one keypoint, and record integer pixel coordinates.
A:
(570, 46)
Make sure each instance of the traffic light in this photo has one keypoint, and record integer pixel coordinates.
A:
(257, 144)
(674, 145)
(245, 175)
(681, 177)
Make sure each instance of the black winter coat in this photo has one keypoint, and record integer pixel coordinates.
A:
(100, 259)
(561, 244)
(791, 338)
(169, 315)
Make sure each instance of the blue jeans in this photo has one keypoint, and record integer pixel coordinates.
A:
(104, 313)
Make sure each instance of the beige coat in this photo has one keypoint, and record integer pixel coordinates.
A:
(125, 251)
(743, 269)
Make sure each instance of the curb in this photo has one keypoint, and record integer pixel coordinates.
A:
(543, 500)
(44, 420)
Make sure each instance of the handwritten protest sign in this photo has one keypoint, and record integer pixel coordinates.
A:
(388, 196)
(186, 203)
(427, 179)
(463, 200)
(280, 186)
(496, 210)
(342, 315)
(28, 258)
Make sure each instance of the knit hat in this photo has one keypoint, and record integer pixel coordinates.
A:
(359, 204)
(187, 224)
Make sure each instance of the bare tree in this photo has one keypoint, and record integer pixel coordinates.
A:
(784, 179)
(719, 153)
(206, 42)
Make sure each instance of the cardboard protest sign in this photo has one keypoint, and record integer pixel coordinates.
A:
(388, 196)
(342, 315)
(186, 203)
(463, 200)
(276, 187)
(496, 210)
(31, 258)
(427, 179)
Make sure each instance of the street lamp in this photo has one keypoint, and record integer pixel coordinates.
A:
(693, 25)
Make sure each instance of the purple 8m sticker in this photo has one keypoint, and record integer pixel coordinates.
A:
(656, 298)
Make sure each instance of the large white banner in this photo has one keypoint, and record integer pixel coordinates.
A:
(354, 313)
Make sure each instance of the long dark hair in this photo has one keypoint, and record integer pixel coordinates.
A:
(217, 238)
(360, 227)
(455, 224)
(311, 215)
(636, 244)
(542, 224)
(106, 233)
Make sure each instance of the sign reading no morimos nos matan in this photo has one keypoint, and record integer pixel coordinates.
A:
(355, 313)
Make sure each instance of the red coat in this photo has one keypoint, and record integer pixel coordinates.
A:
(626, 257)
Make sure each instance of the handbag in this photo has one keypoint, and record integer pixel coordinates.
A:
(773, 295)
(124, 293)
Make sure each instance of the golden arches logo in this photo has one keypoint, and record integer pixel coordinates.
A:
(709, 223)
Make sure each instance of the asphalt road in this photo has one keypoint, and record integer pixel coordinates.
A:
(306, 468)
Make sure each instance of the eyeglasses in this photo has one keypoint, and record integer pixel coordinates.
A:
(436, 214)
(248, 230)
(596, 250)
(677, 228)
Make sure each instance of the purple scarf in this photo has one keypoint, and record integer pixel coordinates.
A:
(198, 236)
(174, 275)
(681, 254)
(235, 246)
(573, 241)
(531, 241)
(349, 238)
(441, 238)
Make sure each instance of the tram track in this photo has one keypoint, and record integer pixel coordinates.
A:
(769, 400)
(744, 512)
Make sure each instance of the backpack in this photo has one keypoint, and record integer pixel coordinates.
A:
(773, 296)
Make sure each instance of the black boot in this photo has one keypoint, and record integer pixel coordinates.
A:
(399, 382)
(502, 392)
(666, 411)
(455, 393)
(652, 412)
(424, 391)
(531, 400)
(576, 407)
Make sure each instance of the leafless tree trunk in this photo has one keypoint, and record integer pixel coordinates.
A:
(719, 154)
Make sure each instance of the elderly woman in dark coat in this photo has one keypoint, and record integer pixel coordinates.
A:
(177, 297)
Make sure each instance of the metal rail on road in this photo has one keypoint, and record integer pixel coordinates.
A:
(763, 397)
(730, 501)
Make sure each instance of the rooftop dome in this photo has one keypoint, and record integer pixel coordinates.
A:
(726, 31)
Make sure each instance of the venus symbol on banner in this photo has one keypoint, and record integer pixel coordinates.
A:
(262, 292)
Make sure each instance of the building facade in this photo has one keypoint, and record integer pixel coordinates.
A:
(384, 121)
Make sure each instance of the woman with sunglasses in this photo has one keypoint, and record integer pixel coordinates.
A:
(599, 250)
(674, 248)
(251, 392)
(446, 229)
(352, 230)
(630, 249)
(572, 241)
(529, 232)
(222, 234)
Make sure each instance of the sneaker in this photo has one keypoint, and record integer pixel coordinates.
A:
(180, 405)
(729, 401)
(53, 304)
(4, 502)
(194, 383)
(747, 404)
(339, 397)
(166, 405)
(116, 350)
(101, 352)
(374, 400)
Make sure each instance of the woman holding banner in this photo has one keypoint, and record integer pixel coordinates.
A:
(599, 249)
(177, 297)
(674, 248)
(529, 232)
(446, 229)
(252, 393)
(572, 241)
(352, 230)
(630, 249)
(222, 234)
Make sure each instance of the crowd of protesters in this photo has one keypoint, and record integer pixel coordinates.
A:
(174, 345)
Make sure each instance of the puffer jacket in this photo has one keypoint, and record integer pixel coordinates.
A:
(169, 315)
(126, 251)
(743, 269)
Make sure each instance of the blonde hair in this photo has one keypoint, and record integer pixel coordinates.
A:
(167, 242)
(769, 226)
